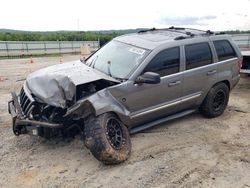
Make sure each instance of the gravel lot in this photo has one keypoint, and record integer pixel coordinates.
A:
(189, 152)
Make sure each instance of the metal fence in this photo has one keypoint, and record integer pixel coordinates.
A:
(242, 40)
(24, 48)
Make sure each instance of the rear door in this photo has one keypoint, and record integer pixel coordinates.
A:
(228, 61)
(199, 75)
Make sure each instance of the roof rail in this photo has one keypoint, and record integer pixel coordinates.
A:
(146, 30)
(208, 32)
(177, 28)
(220, 33)
(189, 32)
(183, 37)
(186, 28)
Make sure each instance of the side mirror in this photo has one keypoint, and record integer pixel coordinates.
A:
(148, 78)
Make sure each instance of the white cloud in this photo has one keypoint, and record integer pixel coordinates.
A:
(114, 14)
(187, 20)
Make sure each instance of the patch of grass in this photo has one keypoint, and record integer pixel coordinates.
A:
(37, 55)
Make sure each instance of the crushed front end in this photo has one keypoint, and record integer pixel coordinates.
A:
(32, 117)
(53, 101)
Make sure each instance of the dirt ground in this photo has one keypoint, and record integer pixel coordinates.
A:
(189, 152)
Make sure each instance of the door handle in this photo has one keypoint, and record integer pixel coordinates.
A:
(211, 72)
(174, 83)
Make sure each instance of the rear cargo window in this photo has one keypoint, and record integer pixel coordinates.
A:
(166, 62)
(197, 55)
(224, 50)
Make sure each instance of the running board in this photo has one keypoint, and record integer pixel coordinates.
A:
(159, 121)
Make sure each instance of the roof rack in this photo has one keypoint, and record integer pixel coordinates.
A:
(189, 32)
(146, 30)
(185, 28)
(182, 37)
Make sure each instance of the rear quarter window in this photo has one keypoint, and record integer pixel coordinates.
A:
(224, 50)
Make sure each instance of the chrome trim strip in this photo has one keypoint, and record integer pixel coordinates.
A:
(28, 113)
(27, 92)
(184, 99)
(196, 95)
(155, 109)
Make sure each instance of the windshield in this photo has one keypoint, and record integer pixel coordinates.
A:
(117, 59)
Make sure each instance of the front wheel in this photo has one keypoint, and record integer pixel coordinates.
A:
(216, 101)
(107, 138)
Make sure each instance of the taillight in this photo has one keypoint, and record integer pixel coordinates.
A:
(240, 63)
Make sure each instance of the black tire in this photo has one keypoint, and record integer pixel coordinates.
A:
(15, 130)
(107, 138)
(216, 101)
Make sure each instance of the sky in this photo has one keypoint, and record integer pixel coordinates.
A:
(51, 15)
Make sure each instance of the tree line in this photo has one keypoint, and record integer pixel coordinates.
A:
(102, 36)
(57, 36)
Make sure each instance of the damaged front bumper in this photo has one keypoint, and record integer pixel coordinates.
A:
(22, 124)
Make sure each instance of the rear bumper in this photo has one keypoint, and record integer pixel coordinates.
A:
(21, 123)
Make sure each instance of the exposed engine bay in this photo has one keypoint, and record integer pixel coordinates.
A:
(52, 114)
(85, 90)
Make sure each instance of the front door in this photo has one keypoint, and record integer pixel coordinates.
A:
(147, 102)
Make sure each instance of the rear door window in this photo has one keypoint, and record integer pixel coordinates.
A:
(224, 50)
(198, 55)
(166, 62)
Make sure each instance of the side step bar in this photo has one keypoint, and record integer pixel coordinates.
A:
(159, 121)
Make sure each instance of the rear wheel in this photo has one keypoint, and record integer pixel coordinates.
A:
(107, 138)
(216, 101)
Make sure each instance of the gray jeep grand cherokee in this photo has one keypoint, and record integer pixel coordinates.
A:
(134, 82)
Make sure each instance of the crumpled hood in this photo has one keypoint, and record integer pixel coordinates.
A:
(56, 84)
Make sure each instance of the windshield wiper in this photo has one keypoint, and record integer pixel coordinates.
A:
(92, 64)
(109, 65)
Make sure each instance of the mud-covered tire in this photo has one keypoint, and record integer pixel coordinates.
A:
(16, 131)
(216, 101)
(100, 141)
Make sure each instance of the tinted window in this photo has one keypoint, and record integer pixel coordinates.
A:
(224, 50)
(166, 62)
(197, 55)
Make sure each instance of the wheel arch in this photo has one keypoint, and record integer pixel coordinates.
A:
(222, 81)
(104, 102)
(227, 83)
(207, 107)
(99, 104)
(81, 109)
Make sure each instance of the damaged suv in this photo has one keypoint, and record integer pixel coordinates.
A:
(134, 82)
